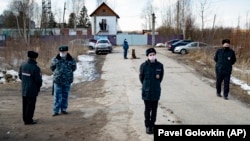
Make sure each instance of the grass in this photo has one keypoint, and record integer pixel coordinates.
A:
(16, 52)
(202, 61)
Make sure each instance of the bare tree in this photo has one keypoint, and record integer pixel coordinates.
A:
(147, 15)
(203, 12)
(182, 12)
(37, 14)
(166, 13)
(24, 9)
(58, 14)
(167, 18)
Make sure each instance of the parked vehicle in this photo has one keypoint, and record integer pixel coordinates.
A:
(78, 42)
(189, 47)
(171, 42)
(92, 43)
(160, 45)
(103, 45)
(178, 43)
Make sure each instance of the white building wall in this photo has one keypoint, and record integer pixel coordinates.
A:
(111, 24)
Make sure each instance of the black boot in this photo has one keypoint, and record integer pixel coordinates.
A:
(149, 130)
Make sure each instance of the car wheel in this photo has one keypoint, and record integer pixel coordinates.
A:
(183, 51)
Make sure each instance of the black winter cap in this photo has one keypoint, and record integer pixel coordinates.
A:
(32, 54)
(150, 50)
(225, 41)
(63, 48)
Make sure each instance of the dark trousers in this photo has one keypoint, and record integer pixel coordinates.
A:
(219, 79)
(29, 104)
(125, 53)
(150, 112)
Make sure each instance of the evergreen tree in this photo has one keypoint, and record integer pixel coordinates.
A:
(52, 22)
(83, 20)
(72, 16)
(9, 19)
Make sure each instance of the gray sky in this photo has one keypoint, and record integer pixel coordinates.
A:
(227, 11)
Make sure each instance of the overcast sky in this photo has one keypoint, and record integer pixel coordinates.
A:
(227, 11)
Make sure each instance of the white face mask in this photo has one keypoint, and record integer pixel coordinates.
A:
(152, 58)
(226, 45)
(62, 54)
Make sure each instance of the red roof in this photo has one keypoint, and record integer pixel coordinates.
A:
(100, 11)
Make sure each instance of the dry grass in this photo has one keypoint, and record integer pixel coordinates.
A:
(204, 64)
(16, 52)
(241, 68)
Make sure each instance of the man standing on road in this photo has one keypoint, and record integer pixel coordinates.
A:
(31, 77)
(151, 75)
(125, 48)
(224, 58)
(63, 66)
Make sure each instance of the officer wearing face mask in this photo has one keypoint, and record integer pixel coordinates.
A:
(151, 75)
(224, 58)
(63, 66)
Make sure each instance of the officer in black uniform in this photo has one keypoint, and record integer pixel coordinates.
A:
(224, 58)
(151, 75)
(31, 77)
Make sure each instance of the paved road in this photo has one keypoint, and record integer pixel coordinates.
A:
(186, 98)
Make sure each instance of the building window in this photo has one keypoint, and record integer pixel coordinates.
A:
(103, 24)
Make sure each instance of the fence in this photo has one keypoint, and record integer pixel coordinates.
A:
(2, 40)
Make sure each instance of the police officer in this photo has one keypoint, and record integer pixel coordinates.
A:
(63, 65)
(224, 58)
(125, 47)
(31, 77)
(151, 75)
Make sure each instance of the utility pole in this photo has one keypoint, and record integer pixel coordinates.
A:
(153, 29)
(94, 25)
(63, 14)
(183, 20)
(29, 26)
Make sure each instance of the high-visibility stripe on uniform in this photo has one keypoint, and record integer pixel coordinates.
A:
(26, 74)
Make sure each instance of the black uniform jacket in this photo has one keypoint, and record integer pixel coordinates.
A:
(31, 77)
(151, 75)
(224, 58)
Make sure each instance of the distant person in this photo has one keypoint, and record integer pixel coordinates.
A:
(151, 75)
(31, 77)
(224, 58)
(125, 48)
(63, 66)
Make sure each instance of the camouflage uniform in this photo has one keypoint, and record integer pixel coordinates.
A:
(63, 68)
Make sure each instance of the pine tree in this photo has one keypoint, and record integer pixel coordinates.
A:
(83, 20)
(72, 16)
(9, 19)
(52, 22)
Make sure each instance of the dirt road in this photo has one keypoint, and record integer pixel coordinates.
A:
(110, 108)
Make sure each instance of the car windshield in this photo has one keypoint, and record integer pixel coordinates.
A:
(173, 41)
(103, 41)
(92, 40)
(177, 42)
